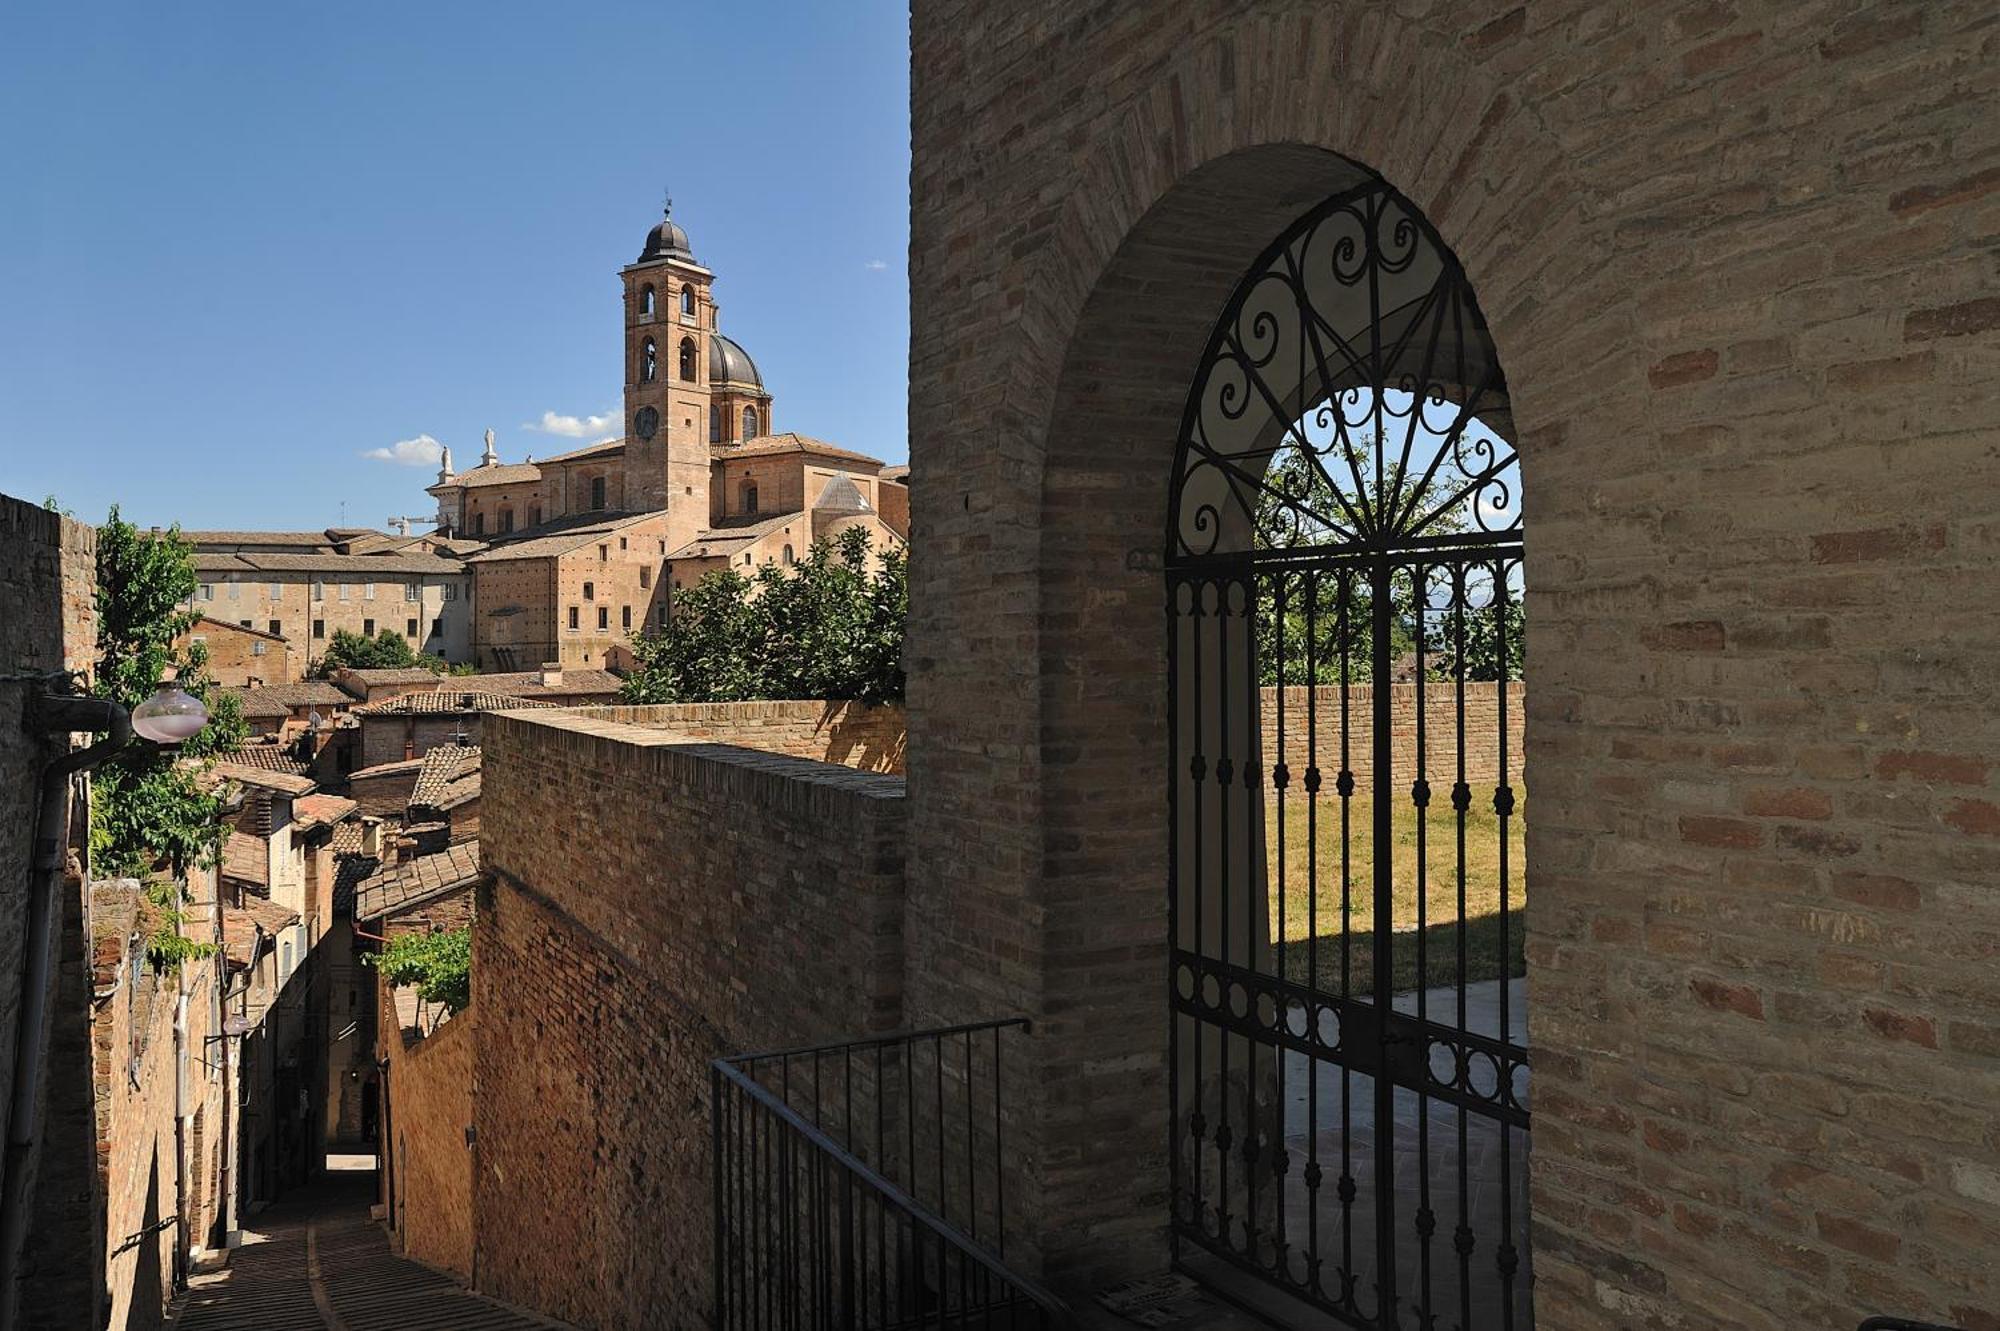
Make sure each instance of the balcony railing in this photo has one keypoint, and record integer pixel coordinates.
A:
(863, 1185)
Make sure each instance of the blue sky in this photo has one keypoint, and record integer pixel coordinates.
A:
(244, 245)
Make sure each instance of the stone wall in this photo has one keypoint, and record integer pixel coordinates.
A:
(1312, 732)
(429, 1159)
(851, 734)
(1732, 257)
(656, 902)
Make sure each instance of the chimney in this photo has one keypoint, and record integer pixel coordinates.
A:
(551, 672)
(371, 837)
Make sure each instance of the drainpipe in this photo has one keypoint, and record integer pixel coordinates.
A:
(47, 714)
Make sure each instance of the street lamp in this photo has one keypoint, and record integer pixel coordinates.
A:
(171, 716)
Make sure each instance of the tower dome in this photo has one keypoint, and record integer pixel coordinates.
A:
(730, 364)
(666, 241)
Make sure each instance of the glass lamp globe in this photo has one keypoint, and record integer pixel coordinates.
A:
(171, 716)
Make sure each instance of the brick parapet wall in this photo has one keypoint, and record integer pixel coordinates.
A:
(1312, 731)
(656, 902)
(849, 733)
(430, 1081)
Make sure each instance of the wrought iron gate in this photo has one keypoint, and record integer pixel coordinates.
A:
(1349, 1073)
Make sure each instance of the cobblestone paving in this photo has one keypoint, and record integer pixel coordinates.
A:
(316, 1262)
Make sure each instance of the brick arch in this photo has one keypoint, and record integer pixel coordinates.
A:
(1170, 212)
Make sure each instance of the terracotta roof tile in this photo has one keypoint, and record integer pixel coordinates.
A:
(559, 536)
(434, 701)
(283, 782)
(501, 473)
(242, 924)
(791, 442)
(307, 693)
(398, 887)
(733, 537)
(268, 757)
(322, 810)
(444, 767)
(528, 683)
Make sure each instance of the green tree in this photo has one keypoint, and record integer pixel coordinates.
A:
(387, 650)
(439, 965)
(148, 810)
(830, 627)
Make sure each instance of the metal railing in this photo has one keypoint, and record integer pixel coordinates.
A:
(863, 1185)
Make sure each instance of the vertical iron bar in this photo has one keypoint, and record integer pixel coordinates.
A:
(1313, 981)
(1223, 771)
(1503, 805)
(1463, 1238)
(1420, 796)
(1382, 857)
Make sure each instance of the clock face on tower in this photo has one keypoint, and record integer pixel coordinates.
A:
(647, 422)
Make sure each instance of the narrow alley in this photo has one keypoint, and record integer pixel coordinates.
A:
(316, 1260)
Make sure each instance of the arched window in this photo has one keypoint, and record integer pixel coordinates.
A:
(715, 425)
(749, 422)
(596, 492)
(687, 359)
(506, 520)
(749, 496)
(646, 301)
(478, 527)
(649, 362)
(788, 556)
(687, 302)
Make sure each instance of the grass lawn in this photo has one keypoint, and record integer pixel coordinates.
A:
(1441, 934)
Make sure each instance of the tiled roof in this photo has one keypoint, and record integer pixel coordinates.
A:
(256, 538)
(321, 810)
(360, 565)
(393, 675)
(444, 767)
(269, 757)
(210, 620)
(792, 442)
(734, 536)
(240, 926)
(606, 448)
(246, 858)
(283, 782)
(306, 693)
(398, 887)
(397, 768)
(558, 537)
(348, 836)
(528, 683)
(434, 701)
(899, 473)
(501, 473)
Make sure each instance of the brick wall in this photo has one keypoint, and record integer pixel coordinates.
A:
(848, 733)
(430, 1083)
(1731, 256)
(699, 898)
(1307, 718)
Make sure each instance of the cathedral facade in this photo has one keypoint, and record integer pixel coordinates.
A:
(581, 551)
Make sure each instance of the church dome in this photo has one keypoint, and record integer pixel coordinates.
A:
(666, 241)
(730, 364)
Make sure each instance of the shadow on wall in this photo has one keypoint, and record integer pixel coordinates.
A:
(856, 736)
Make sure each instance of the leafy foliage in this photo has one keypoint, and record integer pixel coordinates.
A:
(387, 650)
(147, 809)
(166, 946)
(827, 628)
(439, 965)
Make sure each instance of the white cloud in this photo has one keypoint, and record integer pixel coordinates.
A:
(423, 451)
(876, 265)
(575, 427)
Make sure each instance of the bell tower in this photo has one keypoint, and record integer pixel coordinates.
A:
(669, 319)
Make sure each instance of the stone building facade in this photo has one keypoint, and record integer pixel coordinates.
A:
(1730, 256)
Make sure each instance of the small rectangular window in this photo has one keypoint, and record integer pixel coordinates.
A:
(603, 553)
(367, 591)
(367, 628)
(451, 591)
(590, 591)
(412, 591)
(277, 591)
(663, 615)
(626, 614)
(244, 623)
(645, 576)
(277, 628)
(604, 616)
(621, 543)
(410, 628)
(235, 589)
(575, 619)
(344, 587)
(319, 590)
(208, 591)
(319, 628)
(437, 627)
(257, 648)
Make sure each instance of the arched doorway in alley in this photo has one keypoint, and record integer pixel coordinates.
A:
(1343, 565)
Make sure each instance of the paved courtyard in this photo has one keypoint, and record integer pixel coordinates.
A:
(316, 1262)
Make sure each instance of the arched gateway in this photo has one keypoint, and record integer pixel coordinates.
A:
(1349, 1072)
